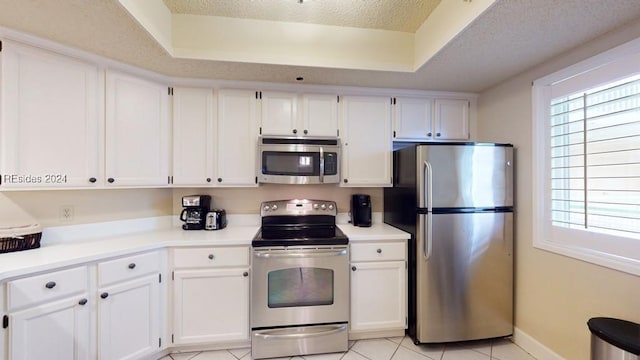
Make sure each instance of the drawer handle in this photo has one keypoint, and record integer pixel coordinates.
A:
(50, 285)
(82, 302)
(245, 274)
(353, 268)
(104, 295)
(379, 251)
(132, 266)
(210, 256)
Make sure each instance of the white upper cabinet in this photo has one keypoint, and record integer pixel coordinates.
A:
(282, 116)
(320, 115)
(137, 131)
(280, 113)
(413, 119)
(451, 119)
(50, 119)
(193, 136)
(365, 130)
(426, 119)
(237, 138)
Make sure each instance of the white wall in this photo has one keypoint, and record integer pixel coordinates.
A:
(555, 295)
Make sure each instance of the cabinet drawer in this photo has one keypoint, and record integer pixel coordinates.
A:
(211, 257)
(47, 287)
(129, 267)
(378, 251)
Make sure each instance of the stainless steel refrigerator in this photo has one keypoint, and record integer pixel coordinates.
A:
(456, 200)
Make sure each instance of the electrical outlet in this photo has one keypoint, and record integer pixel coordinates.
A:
(66, 213)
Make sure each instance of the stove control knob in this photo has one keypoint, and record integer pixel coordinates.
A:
(274, 207)
(266, 208)
(330, 206)
(316, 206)
(323, 207)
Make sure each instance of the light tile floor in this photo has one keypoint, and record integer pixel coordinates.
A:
(397, 348)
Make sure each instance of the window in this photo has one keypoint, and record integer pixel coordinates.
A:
(587, 160)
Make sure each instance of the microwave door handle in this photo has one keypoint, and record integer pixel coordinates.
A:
(321, 164)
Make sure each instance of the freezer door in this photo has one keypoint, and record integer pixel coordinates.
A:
(464, 279)
(465, 176)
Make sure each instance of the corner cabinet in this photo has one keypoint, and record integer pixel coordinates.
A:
(137, 131)
(193, 136)
(378, 289)
(365, 131)
(211, 295)
(427, 119)
(237, 138)
(50, 119)
(129, 312)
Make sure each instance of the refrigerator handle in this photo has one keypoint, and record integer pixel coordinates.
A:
(428, 177)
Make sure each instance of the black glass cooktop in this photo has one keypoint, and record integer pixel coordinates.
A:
(299, 235)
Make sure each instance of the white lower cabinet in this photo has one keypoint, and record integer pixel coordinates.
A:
(378, 289)
(49, 316)
(129, 307)
(211, 295)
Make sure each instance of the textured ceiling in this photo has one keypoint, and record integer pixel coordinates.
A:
(404, 15)
(508, 38)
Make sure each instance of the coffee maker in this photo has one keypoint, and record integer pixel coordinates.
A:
(361, 210)
(195, 211)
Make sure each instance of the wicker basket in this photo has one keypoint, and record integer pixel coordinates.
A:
(18, 238)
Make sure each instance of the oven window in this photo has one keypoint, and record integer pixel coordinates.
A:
(300, 287)
(290, 163)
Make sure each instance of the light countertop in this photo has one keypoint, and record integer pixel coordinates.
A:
(80, 244)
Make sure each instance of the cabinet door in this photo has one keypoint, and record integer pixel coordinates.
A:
(137, 131)
(210, 305)
(55, 330)
(320, 115)
(378, 296)
(50, 120)
(451, 119)
(237, 138)
(366, 141)
(129, 319)
(279, 114)
(413, 119)
(193, 136)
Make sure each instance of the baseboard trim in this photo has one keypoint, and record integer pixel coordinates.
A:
(533, 346)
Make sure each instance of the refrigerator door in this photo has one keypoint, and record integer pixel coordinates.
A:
(464, 277)
(465, 176)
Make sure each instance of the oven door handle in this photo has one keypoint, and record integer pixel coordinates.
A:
(321, 164)
(294, 254)
(316, 331)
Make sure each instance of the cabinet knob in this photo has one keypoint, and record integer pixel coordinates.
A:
(111, 180)
(50, 285)
(353, 268)
(219, 179)
(305, 131)
(295, 131)
(210, 256)
(208, 179)
(429, 134)
(345, 181)
(245, 274)
(132, 266)
(379, 251)
(104, 295)
(437, 134)
(92, 180)
(82, 302)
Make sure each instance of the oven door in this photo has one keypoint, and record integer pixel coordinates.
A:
(299, 286)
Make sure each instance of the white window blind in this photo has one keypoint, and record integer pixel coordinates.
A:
(586, 159)
(595, 159)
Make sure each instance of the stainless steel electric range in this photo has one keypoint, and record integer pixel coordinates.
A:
(300, 282)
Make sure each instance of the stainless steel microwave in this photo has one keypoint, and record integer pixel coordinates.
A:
(290, 160)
